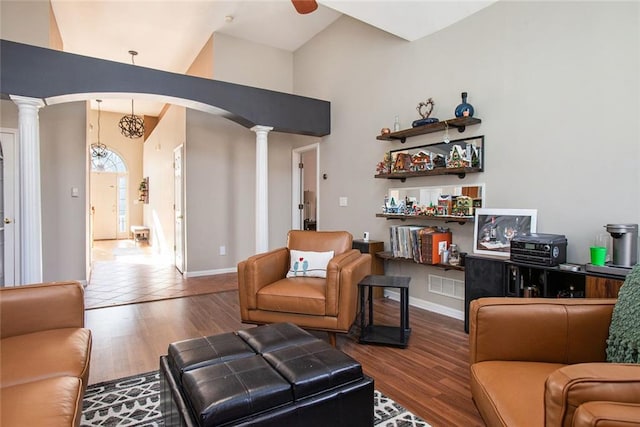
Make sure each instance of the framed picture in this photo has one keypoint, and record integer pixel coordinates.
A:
(494, 229)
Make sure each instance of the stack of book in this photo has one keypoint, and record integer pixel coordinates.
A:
(422, 244)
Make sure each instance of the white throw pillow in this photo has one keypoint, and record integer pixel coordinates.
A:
(309, 264)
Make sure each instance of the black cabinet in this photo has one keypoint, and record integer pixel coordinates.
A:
(500, 277)
(546, 282)
(483, 277)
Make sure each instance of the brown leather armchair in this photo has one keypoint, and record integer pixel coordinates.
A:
(542, 362)
(268, 296)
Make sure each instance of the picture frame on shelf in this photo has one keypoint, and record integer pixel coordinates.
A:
(495, 228)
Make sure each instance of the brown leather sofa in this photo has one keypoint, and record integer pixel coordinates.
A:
(542, 362)
(44, 355)
(268, 296)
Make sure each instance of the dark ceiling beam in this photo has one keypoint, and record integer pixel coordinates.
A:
(37, 72)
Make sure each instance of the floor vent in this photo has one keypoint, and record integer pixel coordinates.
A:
(445, 286)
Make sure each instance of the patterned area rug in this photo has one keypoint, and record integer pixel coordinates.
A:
(135, 400)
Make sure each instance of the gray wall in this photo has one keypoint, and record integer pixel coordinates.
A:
(220, 165)
(63, 166)
(556, 85)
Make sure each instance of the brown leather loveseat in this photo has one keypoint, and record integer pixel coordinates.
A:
(542, 362)
(44, 355)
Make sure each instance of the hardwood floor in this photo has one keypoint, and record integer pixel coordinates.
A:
(430, 377)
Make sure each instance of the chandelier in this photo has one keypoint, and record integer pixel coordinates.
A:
(131, 126)
(98, 149)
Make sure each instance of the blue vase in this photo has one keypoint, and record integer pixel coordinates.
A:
(460, 109)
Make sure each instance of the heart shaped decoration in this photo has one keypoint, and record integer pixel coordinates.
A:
(428, 106)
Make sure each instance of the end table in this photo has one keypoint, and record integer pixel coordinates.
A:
(380, 334)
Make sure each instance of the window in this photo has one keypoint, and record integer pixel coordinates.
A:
(122, 203)
(110, 162)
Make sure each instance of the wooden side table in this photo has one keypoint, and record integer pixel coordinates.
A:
(381, 334)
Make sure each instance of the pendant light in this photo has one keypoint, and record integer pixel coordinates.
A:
(98, 149)
(131, 125)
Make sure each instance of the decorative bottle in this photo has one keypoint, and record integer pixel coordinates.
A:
(464, 109)
(396, 124)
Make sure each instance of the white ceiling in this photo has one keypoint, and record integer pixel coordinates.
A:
(168, 34)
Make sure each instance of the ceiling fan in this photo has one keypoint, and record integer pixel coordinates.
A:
(305, 6)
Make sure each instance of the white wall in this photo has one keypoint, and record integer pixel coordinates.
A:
(556, 85)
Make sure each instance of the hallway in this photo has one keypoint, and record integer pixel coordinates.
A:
(127, 272)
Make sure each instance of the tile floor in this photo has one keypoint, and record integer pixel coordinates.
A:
(126, 272)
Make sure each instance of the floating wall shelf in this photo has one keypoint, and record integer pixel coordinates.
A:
(459, 123)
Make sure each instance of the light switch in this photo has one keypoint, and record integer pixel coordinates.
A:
(75, 192)
(343, 201)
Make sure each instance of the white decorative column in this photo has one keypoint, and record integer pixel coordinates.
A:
(262, 188)
(30, 201)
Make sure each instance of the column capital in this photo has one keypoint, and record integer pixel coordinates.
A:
(262, 129)
(27, 101)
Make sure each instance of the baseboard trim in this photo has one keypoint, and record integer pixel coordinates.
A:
(426, 305)
(188, 274)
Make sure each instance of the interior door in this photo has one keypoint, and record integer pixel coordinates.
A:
(9, 246)
(178, 209)
(309, 185)
(305, 188)
(104, 205)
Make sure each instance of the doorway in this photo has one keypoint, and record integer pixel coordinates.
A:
(306, 189)
(104, 205)
(9, 202)
(178, 202)
(109, 195)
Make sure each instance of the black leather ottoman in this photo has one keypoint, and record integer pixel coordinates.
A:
(273, 375)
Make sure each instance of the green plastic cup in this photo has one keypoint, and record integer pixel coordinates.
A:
(598, 255)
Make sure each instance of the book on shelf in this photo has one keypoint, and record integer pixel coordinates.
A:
(422, 244)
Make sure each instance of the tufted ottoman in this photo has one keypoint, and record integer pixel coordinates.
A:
(273, 375)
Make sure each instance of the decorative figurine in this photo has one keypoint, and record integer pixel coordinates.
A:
(463, 206)
(384, 166)
(421, 161)
(445, 204)
(439, 161)
(428, 106)
(457, 158)
(402, 162)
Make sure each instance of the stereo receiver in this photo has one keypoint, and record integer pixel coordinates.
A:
(539, 249)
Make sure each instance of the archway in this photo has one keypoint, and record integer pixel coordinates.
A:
(37, 74)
